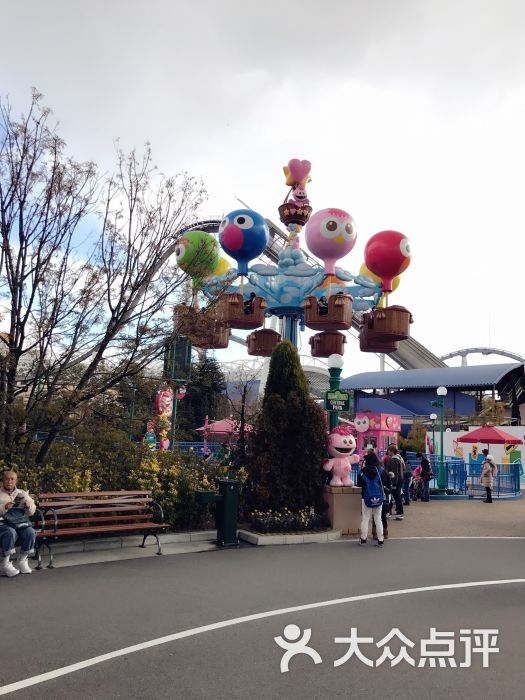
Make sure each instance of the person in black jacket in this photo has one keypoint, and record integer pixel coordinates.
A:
(371, 467)
(396, 465)
(425, 476)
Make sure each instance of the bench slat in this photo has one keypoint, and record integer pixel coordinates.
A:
(101, 519)
(79, 494)
(111, 509)
(68, 531)
(101, 501)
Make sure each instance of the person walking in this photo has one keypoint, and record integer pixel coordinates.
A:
(371, 480)
(425, 475)
(407, 478)
(395, 465)
(488, 472)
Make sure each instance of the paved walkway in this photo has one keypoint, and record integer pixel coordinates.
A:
(461, 518)
(441, 518)
(203, 626)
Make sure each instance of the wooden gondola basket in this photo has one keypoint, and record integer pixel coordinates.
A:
(230, 310)
(371, 341)
(263, 342)
(337, 318)
(201, 327)
(327, 343)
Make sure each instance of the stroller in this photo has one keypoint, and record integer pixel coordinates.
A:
(416, 489)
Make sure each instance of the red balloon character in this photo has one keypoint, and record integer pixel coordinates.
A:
(387, 254)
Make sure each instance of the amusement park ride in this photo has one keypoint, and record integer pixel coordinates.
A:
(322, 298)
(298, 291)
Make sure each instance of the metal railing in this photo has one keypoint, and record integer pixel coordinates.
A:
(464, 478)
(198, 447)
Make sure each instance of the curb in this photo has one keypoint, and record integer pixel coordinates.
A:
(104, 543)
(259, 539)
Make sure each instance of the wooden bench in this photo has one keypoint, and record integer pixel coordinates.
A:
(95, 513)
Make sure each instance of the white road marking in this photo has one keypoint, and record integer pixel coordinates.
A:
(50, 675)
(351, 539)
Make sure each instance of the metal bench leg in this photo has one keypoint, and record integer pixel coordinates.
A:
(38, 558)
(159, 550)
(153, 534)
(50, 565)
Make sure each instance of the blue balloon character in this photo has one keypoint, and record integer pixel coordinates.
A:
(243, 234)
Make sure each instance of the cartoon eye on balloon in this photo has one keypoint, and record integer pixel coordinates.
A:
(180, 251)
(244, 235)
(339, 229)
(388, 254)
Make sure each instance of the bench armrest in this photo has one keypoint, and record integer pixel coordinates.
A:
(51, 511)
(38, 521)
(158, 513)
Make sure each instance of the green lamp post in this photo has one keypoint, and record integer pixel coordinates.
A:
(335, 367)
(441, 391)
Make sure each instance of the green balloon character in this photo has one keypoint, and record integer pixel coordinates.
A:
(197, 253)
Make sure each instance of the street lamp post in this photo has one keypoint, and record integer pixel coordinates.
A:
(335, 367)
(441, 391)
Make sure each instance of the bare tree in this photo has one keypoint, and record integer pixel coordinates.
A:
(86, 278)
(242, 394)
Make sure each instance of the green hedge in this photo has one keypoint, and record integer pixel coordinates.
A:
(173, 477)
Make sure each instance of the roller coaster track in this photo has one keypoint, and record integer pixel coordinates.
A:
(482, 351)
(410, 353)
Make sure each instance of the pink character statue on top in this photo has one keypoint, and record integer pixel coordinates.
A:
(341, 448)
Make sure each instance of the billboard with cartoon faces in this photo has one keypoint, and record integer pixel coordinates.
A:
(376, 429)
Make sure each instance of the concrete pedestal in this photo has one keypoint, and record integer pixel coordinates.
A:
(344, 508)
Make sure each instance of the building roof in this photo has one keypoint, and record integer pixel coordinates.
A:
(470, 377)
(377, 405)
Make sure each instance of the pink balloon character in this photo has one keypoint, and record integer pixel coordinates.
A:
(341, 446)
(388, 254)
(330, 235)
(299, 196)
(164, 402)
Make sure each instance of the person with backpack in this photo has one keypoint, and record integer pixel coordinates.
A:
(372, 480)
(396, 465)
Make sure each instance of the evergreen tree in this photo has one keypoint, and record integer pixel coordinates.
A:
(288, 444)
(205, 397)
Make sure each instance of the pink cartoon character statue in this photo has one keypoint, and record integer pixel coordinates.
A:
(341, 446)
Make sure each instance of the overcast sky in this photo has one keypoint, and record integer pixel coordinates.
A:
(412, 113)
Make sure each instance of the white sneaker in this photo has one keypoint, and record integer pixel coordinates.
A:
(7, 569)
(23, 566)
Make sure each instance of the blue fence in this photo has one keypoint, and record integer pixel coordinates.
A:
(198, 447)
(463, 478)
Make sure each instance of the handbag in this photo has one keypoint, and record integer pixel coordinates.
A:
(16, 518)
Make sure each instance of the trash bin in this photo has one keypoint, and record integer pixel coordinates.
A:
(227, 501)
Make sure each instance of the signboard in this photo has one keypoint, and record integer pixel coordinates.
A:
(337, 400)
